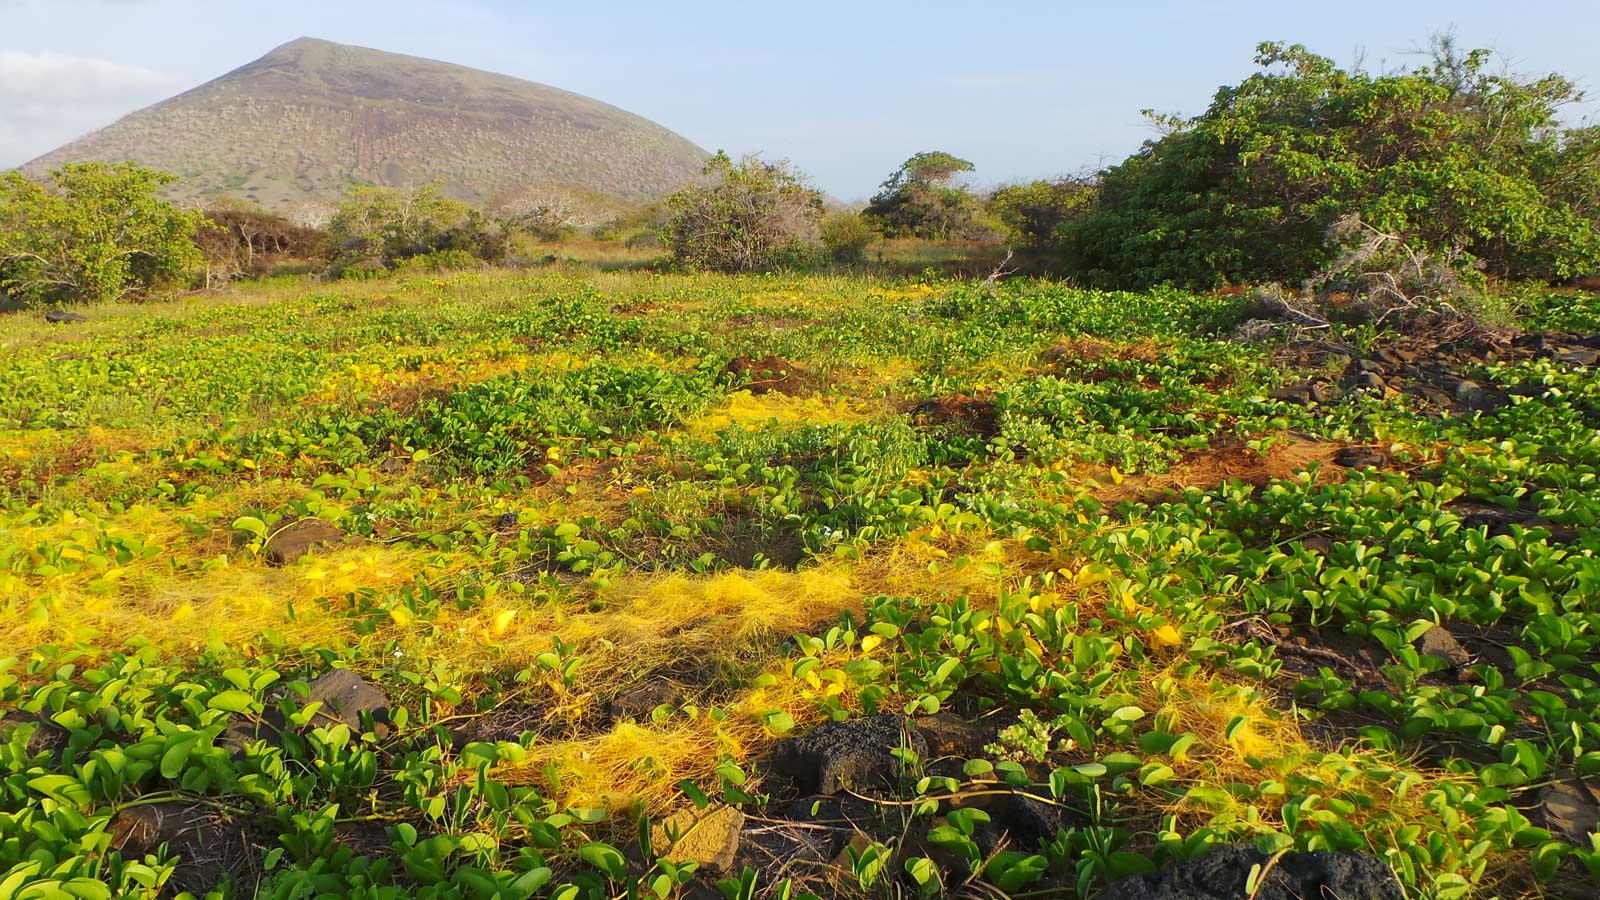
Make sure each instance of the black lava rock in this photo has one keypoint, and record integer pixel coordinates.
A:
(1361, 458)
(345, 697)
(856, 754)
(1366, 381)
(1304, 394)
(293, 541)
(1222, 873)
(1018, 819)
(1438, 642)
(951, 735)
(208, 844)
(640, 700)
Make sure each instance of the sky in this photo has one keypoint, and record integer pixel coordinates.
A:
(844, 90)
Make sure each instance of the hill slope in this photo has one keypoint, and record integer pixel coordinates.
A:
(297, 127)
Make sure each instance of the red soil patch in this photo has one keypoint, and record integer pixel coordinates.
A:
(1206, 469)
(1087, 349)
(976, 415)
(47, 467)
(767, 375)
(408, 398)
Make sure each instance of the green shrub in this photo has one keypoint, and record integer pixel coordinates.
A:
(647, 239)
(640, 227)
(757, 215)
(361, 270)
(1464, 165)
(435, 261)
(97, 233)
(241, 240)
(477, 236)
(380, 225)
(921, 200)
(845, 237)
(1032, 213)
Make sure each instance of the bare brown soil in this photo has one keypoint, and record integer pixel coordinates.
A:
(1286, 456)
(770, 374)
(975, 415)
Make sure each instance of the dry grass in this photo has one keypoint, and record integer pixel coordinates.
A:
(243, 606)
(1246, 737)
(630, 765)
(753, 413)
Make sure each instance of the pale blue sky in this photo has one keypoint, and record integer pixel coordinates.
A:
(844, 90)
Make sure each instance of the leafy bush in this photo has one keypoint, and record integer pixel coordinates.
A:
(436, 261)
(384, 225)
(1574, 178)
(478, 236)
(1032, 213)
(920, 200)
(98, 233)
(1453, 161)
(641, 227)
(243, 240)
(845, 237)
(758, 215)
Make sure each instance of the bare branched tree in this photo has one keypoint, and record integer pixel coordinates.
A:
(1377, 278)
(1002, 269)
(546, 215)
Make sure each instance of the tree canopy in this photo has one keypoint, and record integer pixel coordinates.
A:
(1032, 213)
(1451, 159)
(755, 215)
(921, 200)
(382, 225)
(95, 233)
(240, 239)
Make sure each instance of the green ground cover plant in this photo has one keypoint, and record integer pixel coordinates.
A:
(602, 541)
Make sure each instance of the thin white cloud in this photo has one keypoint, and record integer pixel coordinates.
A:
(47, 99)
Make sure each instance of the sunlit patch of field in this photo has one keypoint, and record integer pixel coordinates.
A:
(754, 412)
(559, 487)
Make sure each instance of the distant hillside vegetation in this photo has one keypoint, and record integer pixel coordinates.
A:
(295, 129)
